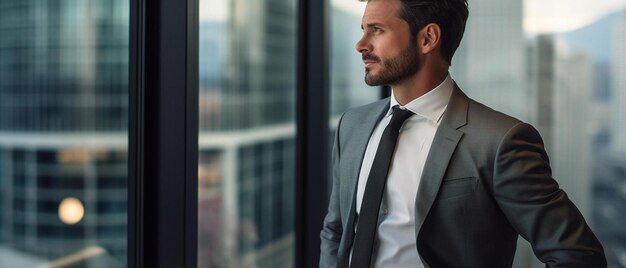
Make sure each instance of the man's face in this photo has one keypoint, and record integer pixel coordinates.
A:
(388, 51)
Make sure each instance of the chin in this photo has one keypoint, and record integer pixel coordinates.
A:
(370, 73)
(371, 82)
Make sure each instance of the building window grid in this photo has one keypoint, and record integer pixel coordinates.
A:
(32, 61)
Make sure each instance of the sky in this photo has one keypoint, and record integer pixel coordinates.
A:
(540, 16)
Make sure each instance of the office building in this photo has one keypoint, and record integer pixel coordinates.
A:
(562, 88)
(572, 133)
(490, 64)
(63, 121)
(247, 136)
(542, 79)
(618, 89)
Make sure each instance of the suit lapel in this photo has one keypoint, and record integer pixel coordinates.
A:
(444, 145)
(359, 137)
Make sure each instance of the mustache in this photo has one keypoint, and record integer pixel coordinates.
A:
(369, 56)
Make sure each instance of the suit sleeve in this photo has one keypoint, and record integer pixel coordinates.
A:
(537, 208)
(332, 229)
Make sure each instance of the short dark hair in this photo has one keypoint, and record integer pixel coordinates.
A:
(450, 15)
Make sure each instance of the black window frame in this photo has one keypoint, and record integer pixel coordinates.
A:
(312, 154)
(163, 133)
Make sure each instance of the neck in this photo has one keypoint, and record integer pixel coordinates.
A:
(419, 84)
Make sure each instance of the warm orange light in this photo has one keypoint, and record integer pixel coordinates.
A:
(71, 210)
(72, 156)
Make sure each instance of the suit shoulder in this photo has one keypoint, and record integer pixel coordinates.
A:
(360, 113)
(484, 117)
(487, 129)
(379, 104)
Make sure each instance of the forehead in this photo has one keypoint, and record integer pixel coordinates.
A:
(381, 11)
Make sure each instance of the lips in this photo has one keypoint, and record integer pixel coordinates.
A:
(369, 62)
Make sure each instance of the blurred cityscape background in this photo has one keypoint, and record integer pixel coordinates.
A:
(63, 132)
(64, 109)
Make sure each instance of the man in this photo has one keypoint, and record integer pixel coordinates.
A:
(431, 178)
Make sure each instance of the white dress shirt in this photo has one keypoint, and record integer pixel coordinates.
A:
(396, 232)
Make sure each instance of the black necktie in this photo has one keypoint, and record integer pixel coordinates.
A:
(370, 206)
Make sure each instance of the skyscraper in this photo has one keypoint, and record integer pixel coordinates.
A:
(618, 81)
(63, 120)
(561, 82)
(571, 141)
(247, 135)
(542, 60)
(490, 64)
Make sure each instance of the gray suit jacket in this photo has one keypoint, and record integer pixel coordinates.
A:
(486, 180)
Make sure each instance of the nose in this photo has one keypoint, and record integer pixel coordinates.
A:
(363, 45)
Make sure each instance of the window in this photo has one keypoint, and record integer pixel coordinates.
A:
(63, 120)
(246, 175)
(217, 173)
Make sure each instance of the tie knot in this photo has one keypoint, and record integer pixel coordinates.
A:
(399, 116)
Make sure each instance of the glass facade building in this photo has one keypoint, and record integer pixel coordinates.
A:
(63, 121)
(64, 66)
(247, 162)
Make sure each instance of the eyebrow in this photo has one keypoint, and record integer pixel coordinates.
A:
(370, 25)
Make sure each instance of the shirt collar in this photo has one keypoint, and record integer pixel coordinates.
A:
(431, 105)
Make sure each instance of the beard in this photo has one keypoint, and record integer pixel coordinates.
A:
(395, 69)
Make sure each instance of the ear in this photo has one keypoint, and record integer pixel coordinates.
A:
(429, 38)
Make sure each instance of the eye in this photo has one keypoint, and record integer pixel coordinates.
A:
(377, 29)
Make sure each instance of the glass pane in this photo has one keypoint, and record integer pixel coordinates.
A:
(247, 133)
(63, 133)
